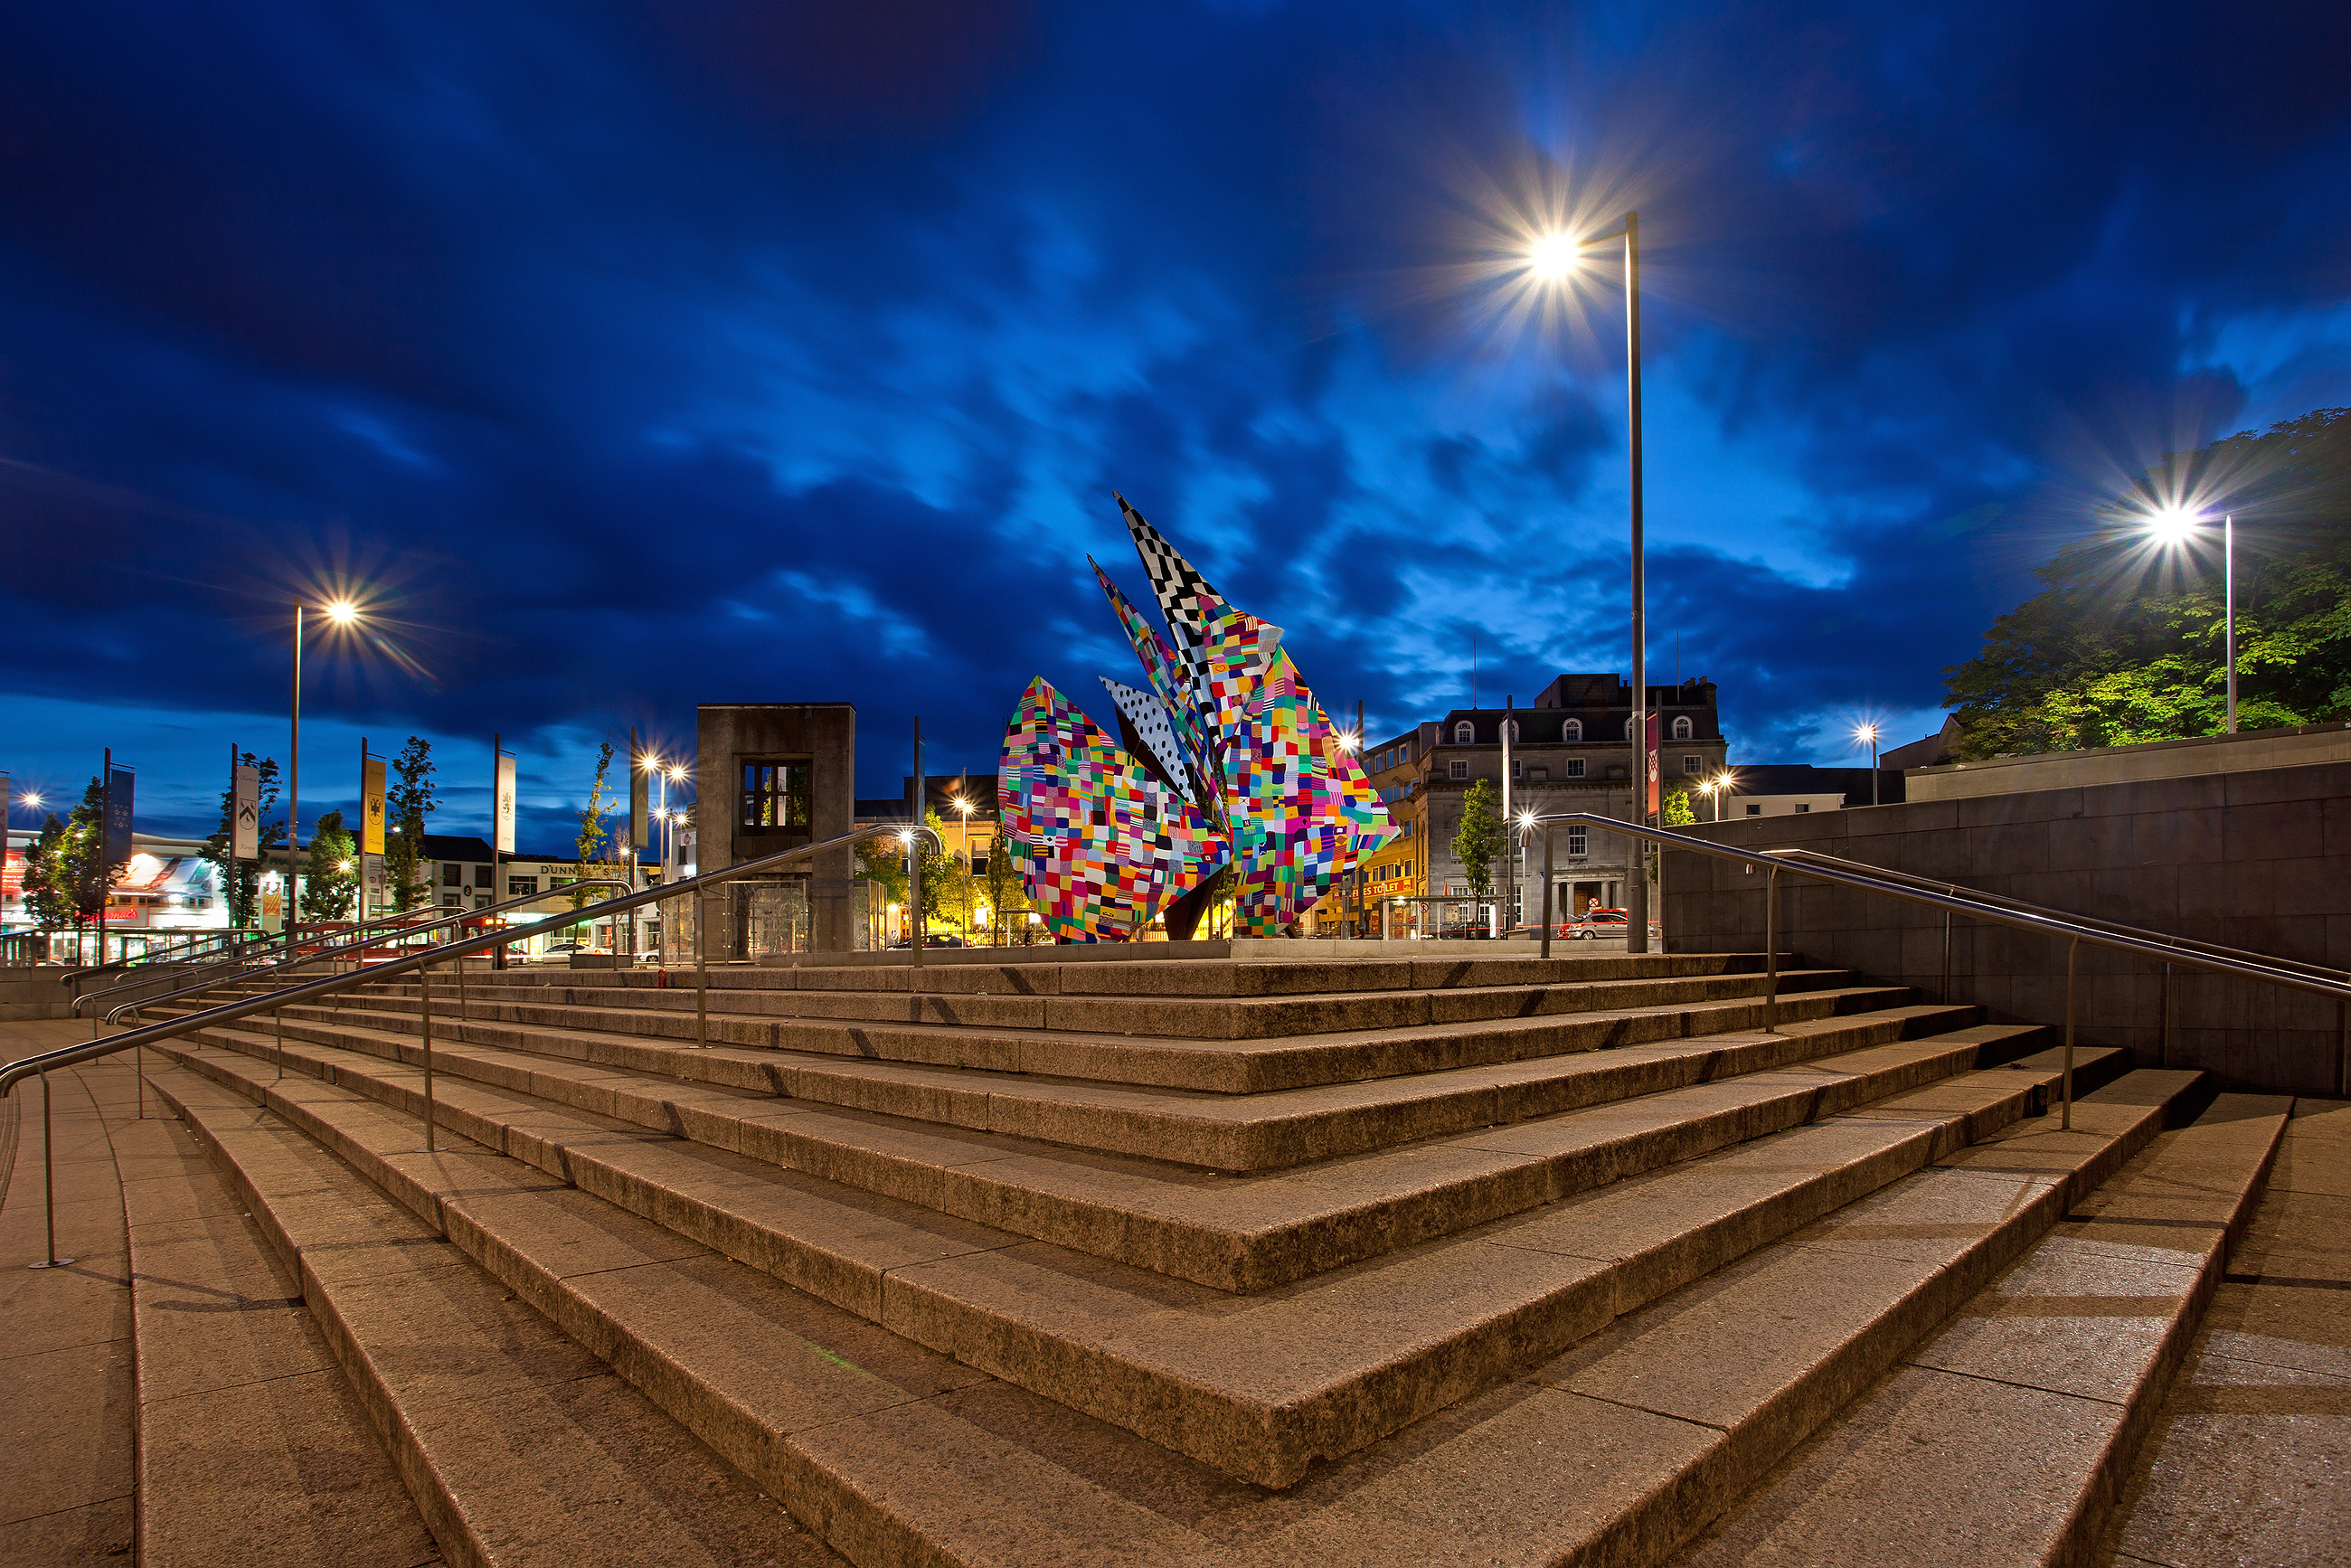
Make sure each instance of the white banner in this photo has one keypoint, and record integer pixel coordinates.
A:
(504, 842)
(244, 824)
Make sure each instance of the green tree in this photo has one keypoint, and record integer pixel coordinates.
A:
(592, 822)
(1005, 887)
(1479, 841)
(48, 893)
(408, 800)
(884, 860)
(1677, 813)
(331, 871)
(240, 880)
(2126, 644)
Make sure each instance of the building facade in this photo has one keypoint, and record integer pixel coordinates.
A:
(1571, 750)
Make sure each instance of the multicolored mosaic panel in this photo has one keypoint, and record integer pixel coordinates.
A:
(1106, 845)
(1277, 794)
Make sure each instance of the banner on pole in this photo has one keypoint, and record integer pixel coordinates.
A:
(1649, 763)
(504, 841)
(372, 806)
(641, 785)
(244, 820)
(119, 786)
(371, 895)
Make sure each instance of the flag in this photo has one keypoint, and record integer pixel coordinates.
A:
(244, 824)
(118, 782)
(504, 796)
(372, 806)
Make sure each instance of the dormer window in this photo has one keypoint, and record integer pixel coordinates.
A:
(1572, 730)
(1464, 733)
(1682, 730)
(1513, 728)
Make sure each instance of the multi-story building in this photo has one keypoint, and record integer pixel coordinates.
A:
(1571, 750)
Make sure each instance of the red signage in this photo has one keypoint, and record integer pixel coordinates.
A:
(1649, 763)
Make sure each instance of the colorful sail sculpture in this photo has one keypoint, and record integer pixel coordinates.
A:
(1229, 761)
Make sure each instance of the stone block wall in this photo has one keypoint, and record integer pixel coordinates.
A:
(2260, 861)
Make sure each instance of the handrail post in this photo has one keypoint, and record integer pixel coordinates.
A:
(1771, 954)
(2342, 1046)
(1945, 997)
(2163, 1021)
(2073, 953)
(465, 1013)
(1546, 896)
(701, 971)
(278, 1015)
(424, 1018)
(49, 1182)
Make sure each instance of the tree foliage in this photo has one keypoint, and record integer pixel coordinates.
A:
(1479, 841)
(2126, 641)
(48, 897)
(408, 800)
(240, 880)
(1676, 810)
(593, 831)
(331, 872)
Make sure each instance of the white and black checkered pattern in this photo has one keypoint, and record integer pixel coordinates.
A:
(1149, 716)
(1174, 579)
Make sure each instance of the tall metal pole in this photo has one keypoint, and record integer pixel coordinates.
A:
(2229, 597)
(920, 793)
(105, 871)
(1636, 925)
(1502, 920)
(293, 921)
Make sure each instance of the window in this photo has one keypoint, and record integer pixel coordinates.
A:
(1755, 808)
(1513, 728)
(1803, 805)
(451, 876)
(519, 885)
(448, 901)
(1463, 734)
(1405, 751)
(483, 879)
(1682, 730)
(483, 901)
(979, 865)
(1461, 768)
(1578, 843)
(1690, 765)
(1576, 767)
(1517, 770)
(1572, 730)
(775, 795)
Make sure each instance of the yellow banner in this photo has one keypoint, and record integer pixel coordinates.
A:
(372, 806)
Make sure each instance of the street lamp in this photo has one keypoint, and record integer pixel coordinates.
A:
(963, 806)
(1551, 257)
(2174, 526)
(340, 613)
(1867, 735)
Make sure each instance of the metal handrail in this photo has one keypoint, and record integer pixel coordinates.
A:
(15, 1073)
(2190, 944)
(290, 939)
(345, 947)
(184, 949)
(2073, 930)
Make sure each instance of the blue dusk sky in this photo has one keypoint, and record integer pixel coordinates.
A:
(620, 356)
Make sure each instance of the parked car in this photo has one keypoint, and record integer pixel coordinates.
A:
(934, 940)
(561, 952)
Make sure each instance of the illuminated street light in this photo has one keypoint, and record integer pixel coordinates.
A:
(2174, 526)
(341, 613)
(1867, 735)
(1550, 258)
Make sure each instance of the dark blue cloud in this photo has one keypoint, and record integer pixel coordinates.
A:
(628, 355)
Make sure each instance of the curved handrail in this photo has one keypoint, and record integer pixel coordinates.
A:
(17, 1073)
(288, 939)
(2049, 923)
(360, 944)
(2184, 943)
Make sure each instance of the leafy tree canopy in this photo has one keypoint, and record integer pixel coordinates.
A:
(1480, 838)
(2126, 644)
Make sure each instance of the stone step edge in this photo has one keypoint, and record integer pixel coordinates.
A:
(1244, 1018)
(1264, 1444)
(1280, 1130)
(1231, 1258)
(2097, 1475)
(1160, 1062)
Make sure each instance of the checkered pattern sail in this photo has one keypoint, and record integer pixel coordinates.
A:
(1106, 845)
(1184, 596)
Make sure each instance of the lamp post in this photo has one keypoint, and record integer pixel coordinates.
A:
(340, 613)
(1867, 735)
(1551, 257)
(2173, 525)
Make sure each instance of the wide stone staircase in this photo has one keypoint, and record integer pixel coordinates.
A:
(1089, 1259)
